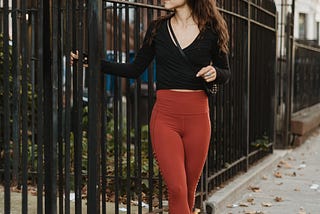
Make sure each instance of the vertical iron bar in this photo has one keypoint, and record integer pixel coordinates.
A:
(238, 89)
(94, 27)
(103, 146)
(231, 95)
(67, 105)
(234, 49)
(24, 109)
(248, 87)
(129, 113)
(135, 101)
(291, 71)
(77, 44)
(275, 88)
(242, 102)
(138, 147)
(281, 78)
(128, 171)
(40, 122)
(16, 95)
(150, 104)
(78, 95)
(33, 95)
(221, 147)
(138, 121)
(50, 197)
(116, 142)
(6, 108)
(60, 123)
(55, 73)
(103, 118)
(116, 112)
(120, 114)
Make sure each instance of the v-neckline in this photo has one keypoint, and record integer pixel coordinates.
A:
(171, 38)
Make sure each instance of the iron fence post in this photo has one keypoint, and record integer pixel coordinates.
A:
(40, 105)
(16, 94)
(6, 125)
(95, 100)
(24, 108)
(247, 109)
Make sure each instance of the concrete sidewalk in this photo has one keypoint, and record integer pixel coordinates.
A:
(289, 185)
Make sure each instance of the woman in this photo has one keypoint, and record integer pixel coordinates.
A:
(180, 123)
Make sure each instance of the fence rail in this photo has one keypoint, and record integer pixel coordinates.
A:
(65, 129)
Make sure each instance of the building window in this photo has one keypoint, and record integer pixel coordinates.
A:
(302, 26)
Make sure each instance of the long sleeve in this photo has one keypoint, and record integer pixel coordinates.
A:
(142, 59)
(221, 64)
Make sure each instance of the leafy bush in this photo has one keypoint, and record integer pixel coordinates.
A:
(122, 162)
(30, 97)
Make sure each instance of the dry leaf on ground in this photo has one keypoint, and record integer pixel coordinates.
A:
(250, 200)
(254, 188)
(291, 174)
(252, 212)
(243, 204)
(302, 211)
(266, 204)
(232, 205)
(291, 159)
(284, 164)
(278, 175)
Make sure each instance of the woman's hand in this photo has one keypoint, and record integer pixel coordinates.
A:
(208, 73)
(75, 56)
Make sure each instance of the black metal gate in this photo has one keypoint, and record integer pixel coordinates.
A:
(79, 140)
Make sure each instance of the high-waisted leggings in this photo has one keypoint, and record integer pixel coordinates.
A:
(180, 135)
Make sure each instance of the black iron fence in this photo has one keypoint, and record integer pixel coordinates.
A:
(306, 88)
(72, 131)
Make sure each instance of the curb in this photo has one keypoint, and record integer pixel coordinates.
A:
(217, 203)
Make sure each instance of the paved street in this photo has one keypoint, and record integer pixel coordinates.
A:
(291, 186)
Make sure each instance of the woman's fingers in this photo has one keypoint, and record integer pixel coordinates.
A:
(205, 71)
(210, 78)
(208, 73)
(74, 55)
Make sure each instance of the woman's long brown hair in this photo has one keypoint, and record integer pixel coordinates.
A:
(206, 12)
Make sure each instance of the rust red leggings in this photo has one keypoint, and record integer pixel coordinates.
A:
(180, 135)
